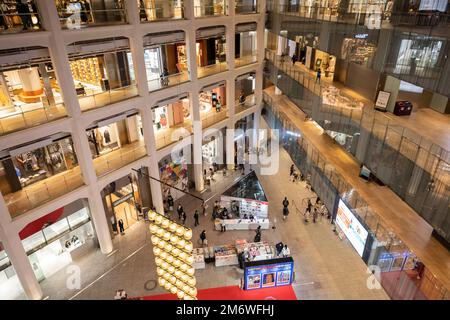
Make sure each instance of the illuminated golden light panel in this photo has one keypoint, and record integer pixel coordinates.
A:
(174, 258)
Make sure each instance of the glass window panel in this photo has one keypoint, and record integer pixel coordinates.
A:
(78, 217)
(33, 241)
(56, 229)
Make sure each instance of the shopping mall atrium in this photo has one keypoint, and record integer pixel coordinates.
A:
(224, 149)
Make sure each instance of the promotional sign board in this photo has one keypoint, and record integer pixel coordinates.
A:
(352, 228)
(382, 100)
(268, 275)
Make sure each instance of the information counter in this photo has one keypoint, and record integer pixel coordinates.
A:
(242, 224)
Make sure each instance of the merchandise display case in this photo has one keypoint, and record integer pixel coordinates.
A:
(199, 258)
(87, 71)
(225, 255)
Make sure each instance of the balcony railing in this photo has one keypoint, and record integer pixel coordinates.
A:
(92, 99)
(25, 117)
(37, 194)
(77, 19)
(166, 137)
(160, 13)
(250, 101)
(246, 60)
(19, 22)
(208, 10)
(212, 69)
(212, 117)
(373, 20)
(119, 158)
(168, 81)
(246, 8)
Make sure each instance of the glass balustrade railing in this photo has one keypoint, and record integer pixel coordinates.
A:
(11, 21)
(208, 8)
(168, 136)
(73, 17)
(212, 69)
(246, 60)
(37, 194)
(242, 8)
(16, 118)
(169, 10)
(249, 102)
(118, 158)
(92, 99)
(159, 83)
(212, 117)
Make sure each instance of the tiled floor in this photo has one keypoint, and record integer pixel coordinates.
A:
(326, 267)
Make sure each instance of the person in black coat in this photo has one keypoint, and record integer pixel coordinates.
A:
(24, 12)
(179, 211)
(121, 227)
(196, 216)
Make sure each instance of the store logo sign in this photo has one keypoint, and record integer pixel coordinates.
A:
(361, 36)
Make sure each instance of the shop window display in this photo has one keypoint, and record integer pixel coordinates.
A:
(19, 15)
(204, 8)
(152, 10)
(171, 115)
(358, 51)
(76, 14)
(211, 51)
(59, 244)
(174, 172)
(39, 164)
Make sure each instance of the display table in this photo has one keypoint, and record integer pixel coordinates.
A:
(257, 251)
(242, 224)
(225, 255)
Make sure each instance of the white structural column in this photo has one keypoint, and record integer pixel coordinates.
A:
(16, 253)
(230, 36)
(197, 141)
(137, 53)
(64, 75)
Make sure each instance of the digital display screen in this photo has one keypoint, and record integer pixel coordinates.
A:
(266, 276)
(352, 228)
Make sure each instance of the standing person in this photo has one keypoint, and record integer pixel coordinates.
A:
(211, 174)
(163, 76)
(24, 12)
(258, 235)
(170, 202)
(204, 207)
(196, 216)
(319, 74)
(121, 228)
(285, 251)
(203, 237)
(179, 211)
(315, 215)
(285, 208)
(294, 59)
(183, 218)
(114, 224)
(223, 226)
(292, 170)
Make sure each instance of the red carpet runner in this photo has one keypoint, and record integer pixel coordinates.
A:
(234, 293)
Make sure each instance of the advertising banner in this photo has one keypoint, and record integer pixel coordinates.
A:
(267, 276)
(352, 228)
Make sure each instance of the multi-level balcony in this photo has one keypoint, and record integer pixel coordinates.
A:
(114, 145)
(165, 59)
(102, 71)
(29, 90)
(38, 172)
(172, 121)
